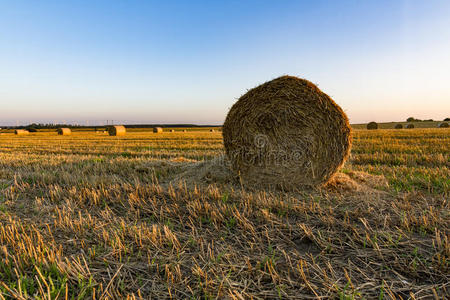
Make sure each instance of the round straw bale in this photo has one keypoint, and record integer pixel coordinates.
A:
(21, 132)
(172, 130)
(286, 133)
(443, 125)
(116, 130)
(157, 130)
(212, 130)
(64, 131)
(398, 126)
(184, 130)
(410, 126)
(372, 125)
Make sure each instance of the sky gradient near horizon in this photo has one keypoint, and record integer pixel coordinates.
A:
(188, 61)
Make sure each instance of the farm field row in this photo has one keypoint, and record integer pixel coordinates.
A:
(146, 215)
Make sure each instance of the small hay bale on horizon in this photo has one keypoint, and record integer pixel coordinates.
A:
(399, 126)
(410, 126)
(157, 130)
(172, 130)
(64, 131)
(443, 125)
(372, 125)
(286, 133)
(184, 130)
(21, 132)
(212, 130)
(117, 130)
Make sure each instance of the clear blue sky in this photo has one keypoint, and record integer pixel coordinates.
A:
(188, 61)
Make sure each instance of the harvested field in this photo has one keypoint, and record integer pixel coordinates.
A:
(161, 216)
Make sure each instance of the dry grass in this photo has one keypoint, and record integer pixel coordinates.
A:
(64, 131)
(21, 132)
(118, 130)
(286, 133)
(94, 216)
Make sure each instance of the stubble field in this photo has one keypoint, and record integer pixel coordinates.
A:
(158, 216)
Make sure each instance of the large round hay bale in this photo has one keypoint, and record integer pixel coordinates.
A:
(117, 130)
(157, 130)
(410, 126)
(64, 131)
(398, 126)
(286, 133)
(372, 125)
(21, 132)
(443, 125)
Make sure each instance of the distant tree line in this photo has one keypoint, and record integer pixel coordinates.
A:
(169, 125)
(412, 119)
(35, 126)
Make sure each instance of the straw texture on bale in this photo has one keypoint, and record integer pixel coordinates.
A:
(21, 132)
(372, 125)
(398, 126)
(410, 126)
(444, 125)
(64, 131)
(117, 130)
(286, 133)
(157, 130)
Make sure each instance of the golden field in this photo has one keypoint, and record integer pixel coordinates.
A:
(137, 216)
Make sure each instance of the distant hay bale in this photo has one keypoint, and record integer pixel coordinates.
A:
(64, 131)
(172, 130)
(21, 132)
(157, 130)
(286, 133)
(410, 126)
(212, 130)
(184, 130)
(117, 130)
(372, 125)
(398, 126)
(443, 125)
